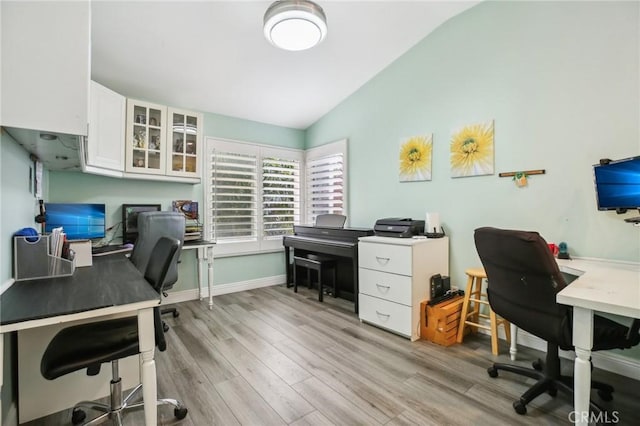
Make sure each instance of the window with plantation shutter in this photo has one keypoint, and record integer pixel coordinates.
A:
(325, 180)
(253, 195)
(280, 196)
(234, 197)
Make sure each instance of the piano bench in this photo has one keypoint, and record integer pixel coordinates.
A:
(320, 264)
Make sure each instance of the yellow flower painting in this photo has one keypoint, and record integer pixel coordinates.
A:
(415, 158)
(472, 150)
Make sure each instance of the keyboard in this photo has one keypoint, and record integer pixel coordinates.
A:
(105, 250)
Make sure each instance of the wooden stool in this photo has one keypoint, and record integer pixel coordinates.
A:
(471, 314)
(319, 264)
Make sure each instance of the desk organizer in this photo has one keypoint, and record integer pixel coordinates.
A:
(33, 259)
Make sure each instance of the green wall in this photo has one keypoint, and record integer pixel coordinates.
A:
(80, 187)
(561, 80)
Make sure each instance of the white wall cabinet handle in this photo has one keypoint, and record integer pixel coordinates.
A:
(383, 260)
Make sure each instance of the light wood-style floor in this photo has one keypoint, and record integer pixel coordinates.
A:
(273, 357)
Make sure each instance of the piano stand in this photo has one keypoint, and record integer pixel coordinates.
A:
(339, 243)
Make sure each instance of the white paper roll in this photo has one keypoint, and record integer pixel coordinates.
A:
(432, 222)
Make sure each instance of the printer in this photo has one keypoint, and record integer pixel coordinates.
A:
(398, 227)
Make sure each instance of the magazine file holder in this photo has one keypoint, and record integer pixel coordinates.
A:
(33, 260)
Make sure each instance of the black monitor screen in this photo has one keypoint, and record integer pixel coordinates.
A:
(618, 184)
(79, 221)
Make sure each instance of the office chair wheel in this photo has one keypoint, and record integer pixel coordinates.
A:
(520, 407)
(176, 314)
(165, 327)
(180, 413)
(492, 371)
(604, 395)
(537, 365)
(78, 416)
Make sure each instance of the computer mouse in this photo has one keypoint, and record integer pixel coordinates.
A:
(128, 245)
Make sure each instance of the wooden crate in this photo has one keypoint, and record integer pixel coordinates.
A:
(439, 323)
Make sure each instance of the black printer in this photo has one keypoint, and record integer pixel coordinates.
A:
(398, 227)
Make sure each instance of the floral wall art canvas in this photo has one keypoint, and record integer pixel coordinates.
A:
(415, 158)
(472, 150)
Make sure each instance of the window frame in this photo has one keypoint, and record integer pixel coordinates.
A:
(338, 147)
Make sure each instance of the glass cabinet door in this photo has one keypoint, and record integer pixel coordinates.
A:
(184, 136)
(145, 137)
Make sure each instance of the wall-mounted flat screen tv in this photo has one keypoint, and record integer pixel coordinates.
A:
(130, 219)
(618, 184)
(79, 221)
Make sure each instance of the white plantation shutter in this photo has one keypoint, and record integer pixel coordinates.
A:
(325, 186)
(280, 196)
(233, 196)
(253, 195)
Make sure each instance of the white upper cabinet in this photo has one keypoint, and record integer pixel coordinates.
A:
(146, 138)
(105, 142)
(46, 65)
(185, 141)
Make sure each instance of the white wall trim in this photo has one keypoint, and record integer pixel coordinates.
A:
(192, 294)
(5, 285)
(605, 360)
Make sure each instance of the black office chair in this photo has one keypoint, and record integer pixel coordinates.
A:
(92, 344)
(523, 279)
(153, 225)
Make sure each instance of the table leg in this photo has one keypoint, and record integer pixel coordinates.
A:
(583, 342)
(201, 259)
(513, 350)
(210, 274)
(1, 368)
(146, 342)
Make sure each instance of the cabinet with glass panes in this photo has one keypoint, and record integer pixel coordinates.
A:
(145, 138)
(184, 135)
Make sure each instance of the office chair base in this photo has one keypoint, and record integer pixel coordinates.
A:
(549, 380)
(118, 406)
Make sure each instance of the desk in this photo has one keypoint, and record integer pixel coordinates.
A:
(205, 253)
(604, 287)
(112, 285)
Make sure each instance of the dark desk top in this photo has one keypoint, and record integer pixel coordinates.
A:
(197, 243)
(111, 281)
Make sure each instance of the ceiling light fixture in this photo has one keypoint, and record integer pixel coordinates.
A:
(295, 24)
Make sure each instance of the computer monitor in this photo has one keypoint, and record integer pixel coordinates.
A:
(618, 184)
(130, 219)
(78, 221)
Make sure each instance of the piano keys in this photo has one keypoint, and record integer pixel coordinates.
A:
(339, 242)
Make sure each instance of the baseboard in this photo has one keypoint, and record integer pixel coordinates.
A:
(5, 285)
(192, 294)
(11, 418)
(605, 360)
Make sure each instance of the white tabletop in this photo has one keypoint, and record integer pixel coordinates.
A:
(603, 286)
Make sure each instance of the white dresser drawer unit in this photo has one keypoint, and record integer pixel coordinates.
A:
(392, 316)
(394, 278)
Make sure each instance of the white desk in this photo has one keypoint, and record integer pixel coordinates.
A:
(111, 286)
(604, 287)
(205, 254)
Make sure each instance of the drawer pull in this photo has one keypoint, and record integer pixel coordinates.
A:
(382, 260)
(383, 316)
(387, 287)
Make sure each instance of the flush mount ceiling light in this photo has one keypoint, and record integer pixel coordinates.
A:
(295, 24)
